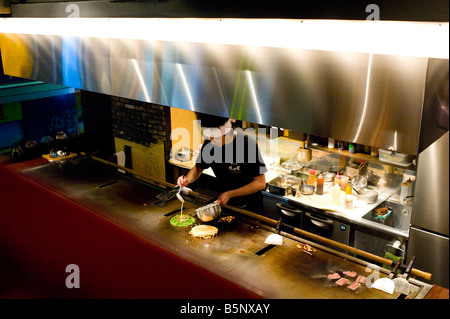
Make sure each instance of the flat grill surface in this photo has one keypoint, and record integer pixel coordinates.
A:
(280, 272)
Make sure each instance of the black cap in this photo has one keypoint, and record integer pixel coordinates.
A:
(208, 120)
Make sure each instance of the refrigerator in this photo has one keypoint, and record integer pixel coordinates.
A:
(429, 229)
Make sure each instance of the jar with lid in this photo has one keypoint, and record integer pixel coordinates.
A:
(348, 201)
(319, 188)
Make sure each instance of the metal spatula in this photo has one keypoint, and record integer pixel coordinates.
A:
(163, 198)
(386, 284)
(275, 239)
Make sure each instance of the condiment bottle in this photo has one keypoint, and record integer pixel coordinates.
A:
(319, 188)
(336, 195)
(337, 179)
(351, 148)
(348, 190)
(404, 191)
(312, 177)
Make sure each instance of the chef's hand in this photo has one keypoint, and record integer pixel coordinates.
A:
(223, 198)
(182, 181)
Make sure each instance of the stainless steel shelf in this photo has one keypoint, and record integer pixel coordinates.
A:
(361, 156)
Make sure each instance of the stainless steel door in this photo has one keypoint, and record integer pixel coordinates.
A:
(432, 254)
(431, 209)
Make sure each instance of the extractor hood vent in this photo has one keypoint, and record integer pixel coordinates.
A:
(304, 83)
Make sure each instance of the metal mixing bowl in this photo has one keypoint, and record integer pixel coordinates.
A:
(209, 212)
(369, 196)
(328, 176)
(358, 181)
(183, 155)
(55, 153)
(307, 189)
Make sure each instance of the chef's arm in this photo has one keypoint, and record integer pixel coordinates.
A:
(193, 174)
(258, 184)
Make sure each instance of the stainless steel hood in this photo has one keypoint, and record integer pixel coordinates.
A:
(371, 99)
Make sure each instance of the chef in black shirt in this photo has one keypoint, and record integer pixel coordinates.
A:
(236, 162)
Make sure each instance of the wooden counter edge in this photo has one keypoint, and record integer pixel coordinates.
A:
(438, 292)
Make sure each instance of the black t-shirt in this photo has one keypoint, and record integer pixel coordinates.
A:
(235, 165)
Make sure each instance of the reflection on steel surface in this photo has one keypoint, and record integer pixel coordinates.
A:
(435, 118)
(370, 99)
(433, 180)
(363, 116)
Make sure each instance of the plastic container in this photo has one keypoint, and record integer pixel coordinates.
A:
(344, 182)
(394, 157)
(303, 154)
(331, 142)
(312, 177)
(319, 188)
(348, 201)
(373, 151)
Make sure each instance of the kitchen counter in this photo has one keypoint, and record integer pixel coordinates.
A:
(324, 202)
(354, 215)
(234, 254)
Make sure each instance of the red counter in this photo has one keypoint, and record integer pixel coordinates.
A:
(41, 233)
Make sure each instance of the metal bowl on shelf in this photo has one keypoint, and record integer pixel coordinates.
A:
(209, 212)
(328, 176)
